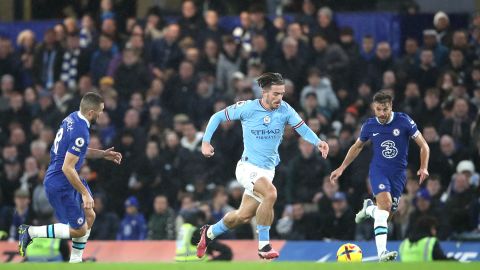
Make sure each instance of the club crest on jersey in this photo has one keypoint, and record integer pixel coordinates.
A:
(381, 186)
(253, 175)
(80, 221)
(266, 120)
(396, 132)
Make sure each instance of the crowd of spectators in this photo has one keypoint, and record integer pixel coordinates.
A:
(162, 81)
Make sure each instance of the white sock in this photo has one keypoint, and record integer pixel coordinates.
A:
(261, 244)
(370, 210)
(57, 230)
(78, 245)
(210, 233)
(381, 230)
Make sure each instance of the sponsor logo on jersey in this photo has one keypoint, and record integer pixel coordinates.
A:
(257, 132)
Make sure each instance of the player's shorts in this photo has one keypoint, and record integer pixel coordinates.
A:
(247, 174)
(67, 202)
(389, 180)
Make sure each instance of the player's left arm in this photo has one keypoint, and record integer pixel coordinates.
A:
(416, 135)
(424, 157)
(307, 134)
(108, 154)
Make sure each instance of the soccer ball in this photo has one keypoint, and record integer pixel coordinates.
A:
(349, 253)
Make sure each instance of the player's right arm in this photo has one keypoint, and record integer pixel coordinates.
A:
(68, 169)
(232, 112)
(352, 154)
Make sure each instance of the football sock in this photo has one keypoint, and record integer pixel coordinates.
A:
(381, 230)
(57, 230)
(263, 235)
(217, 229)
(78, 245)
(371, 210)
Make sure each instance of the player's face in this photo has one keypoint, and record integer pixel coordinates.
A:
(382, 111)
(274, 96)
(95, 114)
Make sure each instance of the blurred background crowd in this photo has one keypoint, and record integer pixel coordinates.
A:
(163, 75)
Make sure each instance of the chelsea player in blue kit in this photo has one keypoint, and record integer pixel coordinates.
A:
(65, 190)
(263, 123)
(389, 133)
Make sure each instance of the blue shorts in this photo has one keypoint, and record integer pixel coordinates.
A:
(389, 180)
(67, 203)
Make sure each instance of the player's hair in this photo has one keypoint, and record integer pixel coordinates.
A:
(382, 97)
(266, 80)
(90, 101)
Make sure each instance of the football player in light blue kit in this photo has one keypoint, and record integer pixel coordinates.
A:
(263, 122)
(65, 190)
(390, 133)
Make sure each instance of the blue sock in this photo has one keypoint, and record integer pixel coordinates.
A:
(219, 228)
(263, 233)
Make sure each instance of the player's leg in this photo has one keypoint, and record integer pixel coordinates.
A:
(69, 214)
(264, 189)
(231, 220)
(381, 187)
(268, 193)
(79, 242)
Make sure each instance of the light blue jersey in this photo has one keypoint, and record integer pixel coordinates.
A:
(262, 129)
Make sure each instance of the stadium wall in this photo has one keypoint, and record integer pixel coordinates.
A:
(243, 250)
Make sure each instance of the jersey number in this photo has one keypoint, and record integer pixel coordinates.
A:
(389, 151)
(58, 137)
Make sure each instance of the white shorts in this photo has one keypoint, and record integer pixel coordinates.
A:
(247, 174)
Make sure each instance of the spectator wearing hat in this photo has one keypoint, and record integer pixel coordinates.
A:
(133, 225)
(424, 207)
(441, 22)
(468, 168)
(340, 225)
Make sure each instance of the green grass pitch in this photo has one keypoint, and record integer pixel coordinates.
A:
(243, 266)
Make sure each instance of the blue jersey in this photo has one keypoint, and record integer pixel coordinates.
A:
(390, 141)
(262, 129)
(73, 136)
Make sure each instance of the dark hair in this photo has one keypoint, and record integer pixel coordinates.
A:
(90, 101)
(382, 97)
(422, 228)
(266, 80)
